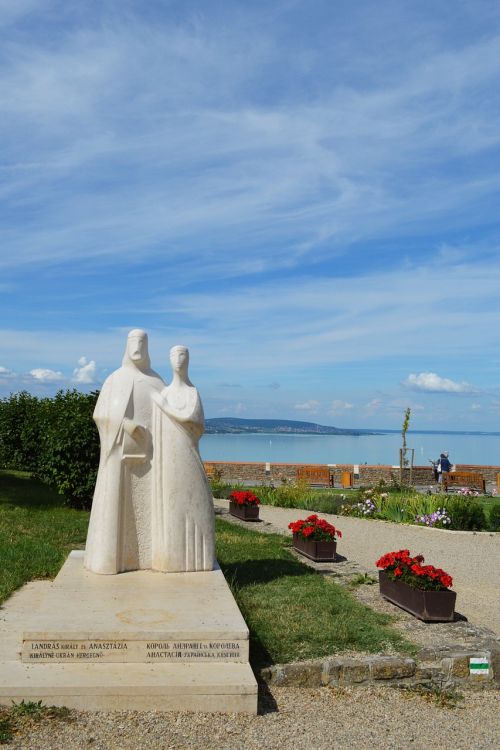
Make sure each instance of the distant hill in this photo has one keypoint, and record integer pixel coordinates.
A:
(278, 426)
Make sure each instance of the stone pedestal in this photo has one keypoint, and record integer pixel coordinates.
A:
(138, 640)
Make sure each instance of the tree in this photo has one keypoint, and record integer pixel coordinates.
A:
(403, 451)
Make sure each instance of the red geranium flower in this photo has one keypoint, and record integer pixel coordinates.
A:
(409, 569)
(314, 528)
(242, 497)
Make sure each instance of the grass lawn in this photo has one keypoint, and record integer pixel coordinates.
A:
(292, 612)
(36, 531)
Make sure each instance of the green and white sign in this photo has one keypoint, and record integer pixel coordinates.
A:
(479, 666)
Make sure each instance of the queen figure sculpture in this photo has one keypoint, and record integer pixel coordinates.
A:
(182, 522)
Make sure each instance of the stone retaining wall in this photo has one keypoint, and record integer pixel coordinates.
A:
(262, 473)
(439, 668)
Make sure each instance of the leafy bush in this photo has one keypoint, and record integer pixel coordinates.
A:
(53, 438)
(466, 515)
(20, 431)
(495, 518)
(70, 447)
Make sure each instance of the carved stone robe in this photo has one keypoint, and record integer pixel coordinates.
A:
(119, 535)
(183, 522)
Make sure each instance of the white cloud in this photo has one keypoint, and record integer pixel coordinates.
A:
(238, 408)
(373, 406)
(338, 406)
(318, 321)
(349, 318)
(46, 376)
(6, 373)
(304, 167)
(85, 373)
(476, 407)
(311, 406)
(433, 383)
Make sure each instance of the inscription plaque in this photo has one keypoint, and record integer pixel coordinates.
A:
(45, 651)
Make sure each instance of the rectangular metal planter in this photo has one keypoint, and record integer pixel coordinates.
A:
(430, 606)
(317, 551)
(245, 512)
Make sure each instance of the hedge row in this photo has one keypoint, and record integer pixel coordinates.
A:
(53, 438)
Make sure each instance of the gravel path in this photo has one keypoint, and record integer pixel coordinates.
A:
(472, 559)
(305, 719)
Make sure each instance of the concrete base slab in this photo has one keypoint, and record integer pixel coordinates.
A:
(139, 640)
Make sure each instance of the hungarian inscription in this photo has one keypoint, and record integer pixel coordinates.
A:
(133, 651)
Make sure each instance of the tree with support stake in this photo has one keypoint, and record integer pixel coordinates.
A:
(406, 454)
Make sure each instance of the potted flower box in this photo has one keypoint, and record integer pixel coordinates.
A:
(315, 538)
(244, 505)
(422, 590)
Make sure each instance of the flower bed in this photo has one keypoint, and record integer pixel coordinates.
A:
(315, 528)
(440, 519)
(401, 566)
(462, 511)
(244, 504)
(315, 538)
(422, 590)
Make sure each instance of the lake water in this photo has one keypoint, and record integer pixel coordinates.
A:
(339, 449)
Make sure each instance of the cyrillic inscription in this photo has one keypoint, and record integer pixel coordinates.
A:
(134, 651)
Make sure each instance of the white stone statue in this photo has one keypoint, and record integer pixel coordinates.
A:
(182, 513)
(119, 536)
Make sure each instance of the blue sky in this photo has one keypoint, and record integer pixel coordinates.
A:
(304, 193)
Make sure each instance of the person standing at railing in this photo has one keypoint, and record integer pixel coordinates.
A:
(444, 466)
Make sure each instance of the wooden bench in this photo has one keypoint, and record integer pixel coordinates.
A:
(464, 479)
(314, 475)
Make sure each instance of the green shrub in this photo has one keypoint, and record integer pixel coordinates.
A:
(466, 514)
(53, 438)
(494, 517)
(20, 417)
(69, 455)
